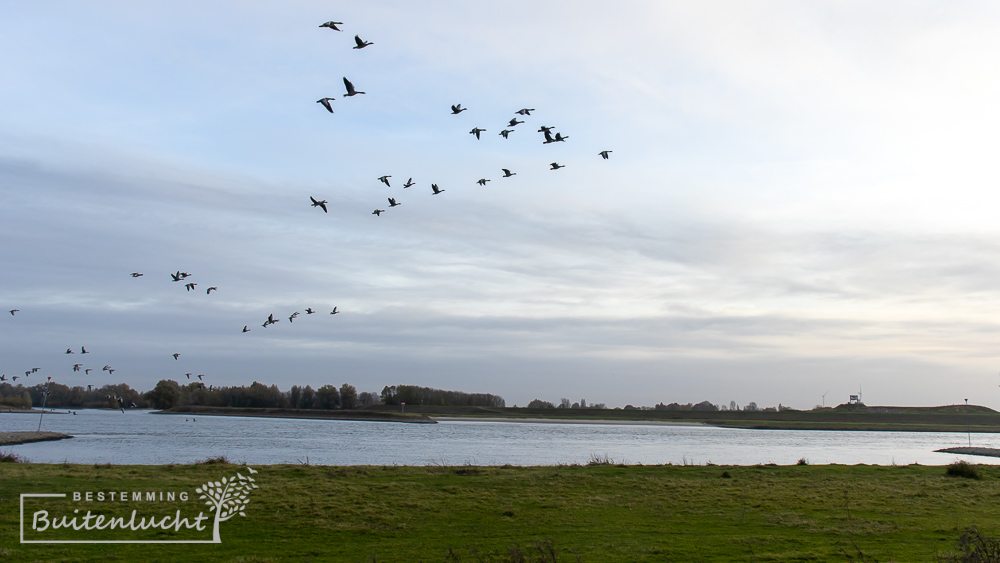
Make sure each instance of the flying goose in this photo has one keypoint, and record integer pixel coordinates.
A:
(476, 131)
(309, 311)
(76, 367)
(559, 137)
(12, 311)
(408, 183)
(245, 329)
(332, 25)
(392, 202)
(544, 129)
(506, 132)
(482, 181)
(384, 180)
(457, 109)
(326, 103)
(525, 111)
(361, 44)
(83, 350)
(557, 166)
(378, 212)
(334, 311)
(604, 154)
(176, 277)
(548, 138)
(319, 203)
(190, 285)
(175, 355)
(209, 290)
(435, 188)
(507, 173)
(513, 122)
(350, 88)
(69, 350)
(136, 274)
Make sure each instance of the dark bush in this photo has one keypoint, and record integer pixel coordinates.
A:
(962, 468)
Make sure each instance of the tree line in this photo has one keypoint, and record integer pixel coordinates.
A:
(168, 393)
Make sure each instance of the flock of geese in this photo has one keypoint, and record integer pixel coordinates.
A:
(549, 136)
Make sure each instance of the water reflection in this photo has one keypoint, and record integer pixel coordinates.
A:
(138, 437)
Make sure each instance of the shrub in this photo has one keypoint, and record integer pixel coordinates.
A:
(962, 468)
(802, 461)
(11, 457)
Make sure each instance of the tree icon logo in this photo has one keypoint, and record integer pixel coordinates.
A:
(229, 497)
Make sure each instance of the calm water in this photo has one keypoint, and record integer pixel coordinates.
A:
(138, 437)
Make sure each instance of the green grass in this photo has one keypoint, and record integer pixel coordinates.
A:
(598, 512)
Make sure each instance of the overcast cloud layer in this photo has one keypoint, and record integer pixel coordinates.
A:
(801, 197)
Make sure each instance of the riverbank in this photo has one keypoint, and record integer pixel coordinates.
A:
(14, 438)
(595, 512)
(354, 415)
(567, 420)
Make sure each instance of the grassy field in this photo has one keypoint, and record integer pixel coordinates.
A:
(600, 512)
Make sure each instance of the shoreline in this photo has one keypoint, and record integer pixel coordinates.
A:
(27, 437)
(569, 421)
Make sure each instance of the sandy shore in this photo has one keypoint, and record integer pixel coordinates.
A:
(991, 452)
(12, 438)
(570, 421)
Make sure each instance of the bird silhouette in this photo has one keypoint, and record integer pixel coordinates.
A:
(332, 25)
(408, 183)
(378, 212)
(361, 44)
(557, 166)
(476, 131)
(384, 180)
(506, 132)
(176, 277)
(271, 319)
(69, 350)
(482, 181)
(83, 350)
(350, 88)
(548, 137)
(436, 190)
(513, 122)
(392, 202)
(334, 311)
(508, 173)
(544, 129)
(318, 203)
(136, 274)
(326, 103)
(560, 138)
(604, 154)
(190, 285)
(76, 367)
(209, 290)
(309, 311)
(525, 111)
(87, 371)
(106, 368)
(175, 355)
(12, 311)
(188, 375)
(245, 329)
(457, 109)
(201, 376)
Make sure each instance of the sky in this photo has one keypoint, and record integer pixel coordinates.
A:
(800, 202)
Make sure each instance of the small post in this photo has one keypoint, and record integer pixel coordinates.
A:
(402, 407)
(968, 422)
(45, 397)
